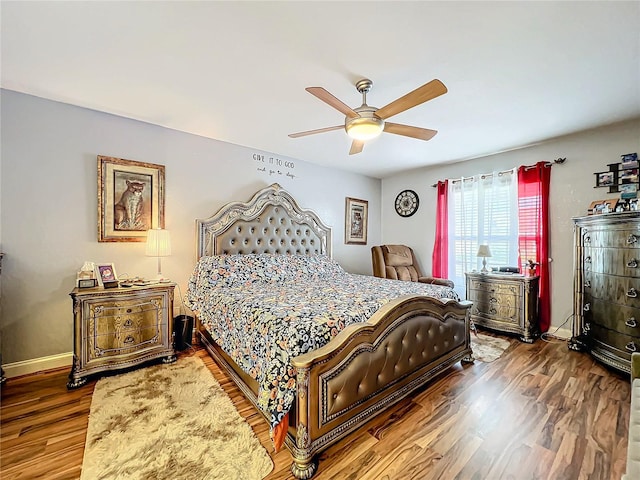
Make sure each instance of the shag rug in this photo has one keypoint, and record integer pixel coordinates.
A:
(169, 422)
(486, 348)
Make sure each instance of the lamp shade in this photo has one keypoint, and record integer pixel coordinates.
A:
(483, 251)
(158, 243)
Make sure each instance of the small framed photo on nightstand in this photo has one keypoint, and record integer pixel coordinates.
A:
(106, 273)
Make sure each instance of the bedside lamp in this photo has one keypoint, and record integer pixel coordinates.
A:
(158, 245)
(484, 252)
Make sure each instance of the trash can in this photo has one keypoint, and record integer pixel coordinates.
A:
(182, 331)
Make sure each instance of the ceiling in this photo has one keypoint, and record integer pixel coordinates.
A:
(518, 73)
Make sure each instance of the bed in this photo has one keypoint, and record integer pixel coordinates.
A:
(265, 272)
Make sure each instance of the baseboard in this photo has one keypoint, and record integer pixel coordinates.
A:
(27, 367)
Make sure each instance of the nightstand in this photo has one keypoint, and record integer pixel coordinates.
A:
(118, 328)
(506, 303)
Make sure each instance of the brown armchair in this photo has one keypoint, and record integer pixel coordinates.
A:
(399, 263)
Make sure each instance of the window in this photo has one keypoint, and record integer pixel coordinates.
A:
(482, 210)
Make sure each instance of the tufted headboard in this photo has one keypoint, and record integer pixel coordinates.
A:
(271, 222)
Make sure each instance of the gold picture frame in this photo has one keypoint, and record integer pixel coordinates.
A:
(130, 199)
(356, 221)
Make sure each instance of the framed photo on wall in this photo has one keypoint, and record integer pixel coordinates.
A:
(356, 221)
(130, 199)
(604, 179)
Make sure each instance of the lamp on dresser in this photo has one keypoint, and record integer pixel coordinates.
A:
(158, 245)
(484, 251)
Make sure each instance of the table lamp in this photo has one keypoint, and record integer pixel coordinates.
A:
(484, 252)
(158, 245)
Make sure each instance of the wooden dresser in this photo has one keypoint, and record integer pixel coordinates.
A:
(607, 287)
(119, 328)
(506, 303)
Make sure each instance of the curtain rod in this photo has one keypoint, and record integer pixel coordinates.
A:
(557, 161)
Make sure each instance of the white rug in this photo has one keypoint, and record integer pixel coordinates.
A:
(169, 422)
(486, 348)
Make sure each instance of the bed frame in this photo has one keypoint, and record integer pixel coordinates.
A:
(367, 367)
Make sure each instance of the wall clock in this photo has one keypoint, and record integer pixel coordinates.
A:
(407, 203)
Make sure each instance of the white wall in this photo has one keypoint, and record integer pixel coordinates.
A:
(49, 208)
(572, 190)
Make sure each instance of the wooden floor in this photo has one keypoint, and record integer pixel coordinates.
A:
(539, 412)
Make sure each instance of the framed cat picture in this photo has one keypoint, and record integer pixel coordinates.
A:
(130, 199)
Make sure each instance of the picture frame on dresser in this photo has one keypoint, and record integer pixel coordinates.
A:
(131, 199)
(106, 275)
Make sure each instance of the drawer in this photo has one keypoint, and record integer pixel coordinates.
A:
(614, 317)
(624, 236)
(118, 316)
(619, 344)
(619, 290)
(481, 288)
(497, 312)
(111, 344)
(612, 261)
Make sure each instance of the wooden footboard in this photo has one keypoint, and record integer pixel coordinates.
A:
(369, 367)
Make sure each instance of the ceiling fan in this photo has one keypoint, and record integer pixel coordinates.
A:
(366, 122)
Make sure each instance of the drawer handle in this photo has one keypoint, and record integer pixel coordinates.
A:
(586, 327)
(631, 347)
(129, 339)
(587, 307)
(587, 284)
(587, 239)
(587, 259)
(632, 293)
(493, 300)
(493, 311)
(631, 322)
(633, 263)
(128, 322)
(632, 239)
(128, 310)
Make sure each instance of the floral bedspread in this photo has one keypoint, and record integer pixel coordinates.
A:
(265, 309)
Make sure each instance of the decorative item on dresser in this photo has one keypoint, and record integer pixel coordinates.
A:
(120, 328)
(483, 252)
(505, 302)
(159, 245)
(606, 287)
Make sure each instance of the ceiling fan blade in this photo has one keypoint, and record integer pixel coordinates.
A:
(428, 91)
(409, 131)
(329, 99)
(356, 147)
(318, 130)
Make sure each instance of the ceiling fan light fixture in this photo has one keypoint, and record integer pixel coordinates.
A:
(364, 128)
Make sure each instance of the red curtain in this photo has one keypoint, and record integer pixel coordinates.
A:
(533, 241)
(440, 259)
